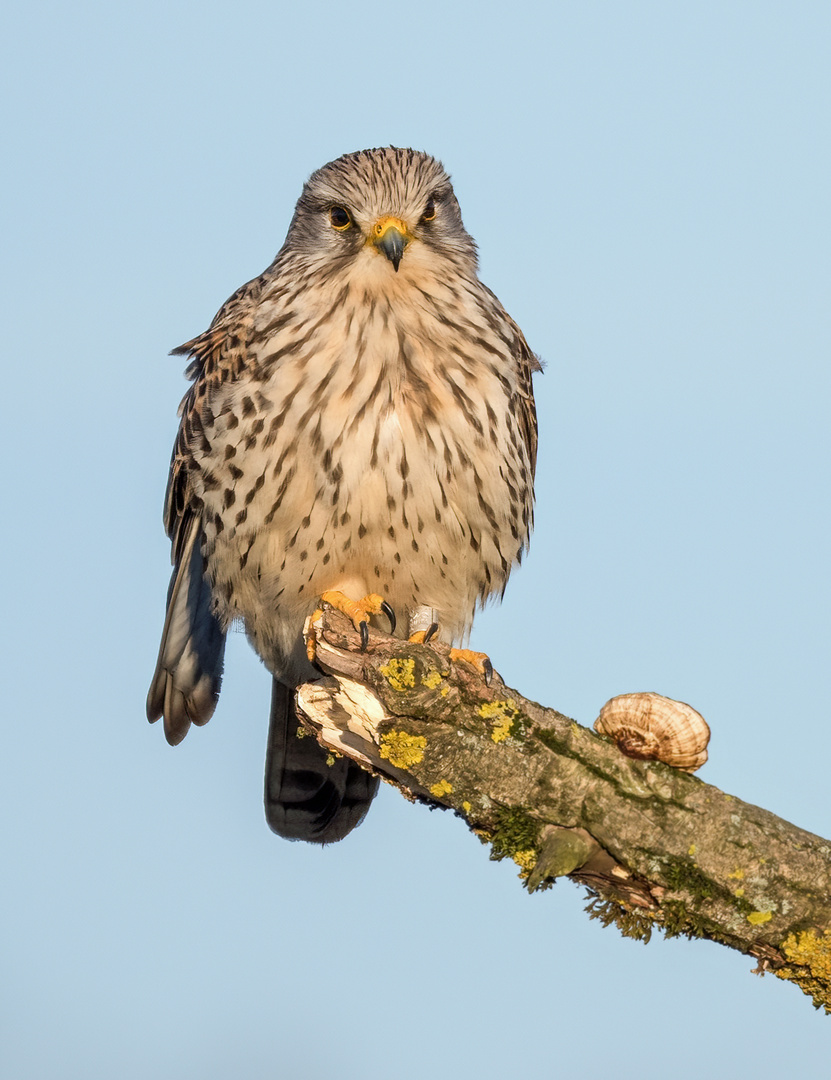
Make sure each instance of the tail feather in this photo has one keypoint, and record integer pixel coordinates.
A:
(306, 798)
(186, 682)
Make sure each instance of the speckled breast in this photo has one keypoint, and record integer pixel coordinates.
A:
(387, 472)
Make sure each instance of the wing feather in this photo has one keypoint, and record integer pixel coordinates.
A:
(186, 682)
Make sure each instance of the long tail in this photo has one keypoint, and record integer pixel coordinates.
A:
(306, 798)
(186, 682)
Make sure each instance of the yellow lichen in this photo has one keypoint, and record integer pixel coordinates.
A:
(445, 690)
(737, 875)
(432, 679)
(501, 731)
(399, 673)
(692, 850)
(527, 859)
(466, 806)
(402, 750)
(490, 709)
(739, 892)
(503, 714)
(756, 918)
(443, 787)
(810, 950)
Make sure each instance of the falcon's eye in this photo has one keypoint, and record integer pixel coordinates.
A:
(340, 218)
(429, 211)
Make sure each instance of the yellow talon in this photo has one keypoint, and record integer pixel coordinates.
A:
(479, 660)
(421, 637)
(311, 640)
(359, 611)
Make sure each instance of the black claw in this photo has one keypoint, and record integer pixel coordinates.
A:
(488, 666)
(432, 630)
(390, 614)
(364, 627)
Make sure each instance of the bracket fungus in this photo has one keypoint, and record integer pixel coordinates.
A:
(656, 728)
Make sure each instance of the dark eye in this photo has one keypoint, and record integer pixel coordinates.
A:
(429, 211)
(340, 218)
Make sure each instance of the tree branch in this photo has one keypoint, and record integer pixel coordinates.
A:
(655, 846)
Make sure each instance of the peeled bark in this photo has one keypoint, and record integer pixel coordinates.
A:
(656, 847)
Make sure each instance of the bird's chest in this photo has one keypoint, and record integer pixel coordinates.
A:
(357, 435)
(378, 464)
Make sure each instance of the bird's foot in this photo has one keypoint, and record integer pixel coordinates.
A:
(358, 611)
(421, 637)
(479, 660)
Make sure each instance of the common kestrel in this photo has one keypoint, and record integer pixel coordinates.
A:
(361, 423)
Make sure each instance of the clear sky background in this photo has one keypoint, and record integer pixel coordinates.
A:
(649, 186)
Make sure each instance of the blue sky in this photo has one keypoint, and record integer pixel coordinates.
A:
(648, 184)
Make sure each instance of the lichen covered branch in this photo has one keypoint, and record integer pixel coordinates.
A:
(656, 846)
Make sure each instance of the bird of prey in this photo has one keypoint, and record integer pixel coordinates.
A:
(360, 427)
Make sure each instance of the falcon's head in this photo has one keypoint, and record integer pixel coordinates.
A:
(381, 211)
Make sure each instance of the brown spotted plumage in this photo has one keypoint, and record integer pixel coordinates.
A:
(361, 419)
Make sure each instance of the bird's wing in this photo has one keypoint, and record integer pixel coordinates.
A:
(217, 356)
(186, 682)
(185, 685)
(527, 363)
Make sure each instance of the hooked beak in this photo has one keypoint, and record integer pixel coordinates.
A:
(390, 235)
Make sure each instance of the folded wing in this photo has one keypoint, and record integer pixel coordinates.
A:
(186, 682)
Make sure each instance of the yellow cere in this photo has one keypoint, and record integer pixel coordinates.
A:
(441, 788)
(383, 226)
(399, 673)
(402, 750)
(757, 918)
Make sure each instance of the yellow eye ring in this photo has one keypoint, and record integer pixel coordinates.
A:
(339, 218)
(429, 211)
